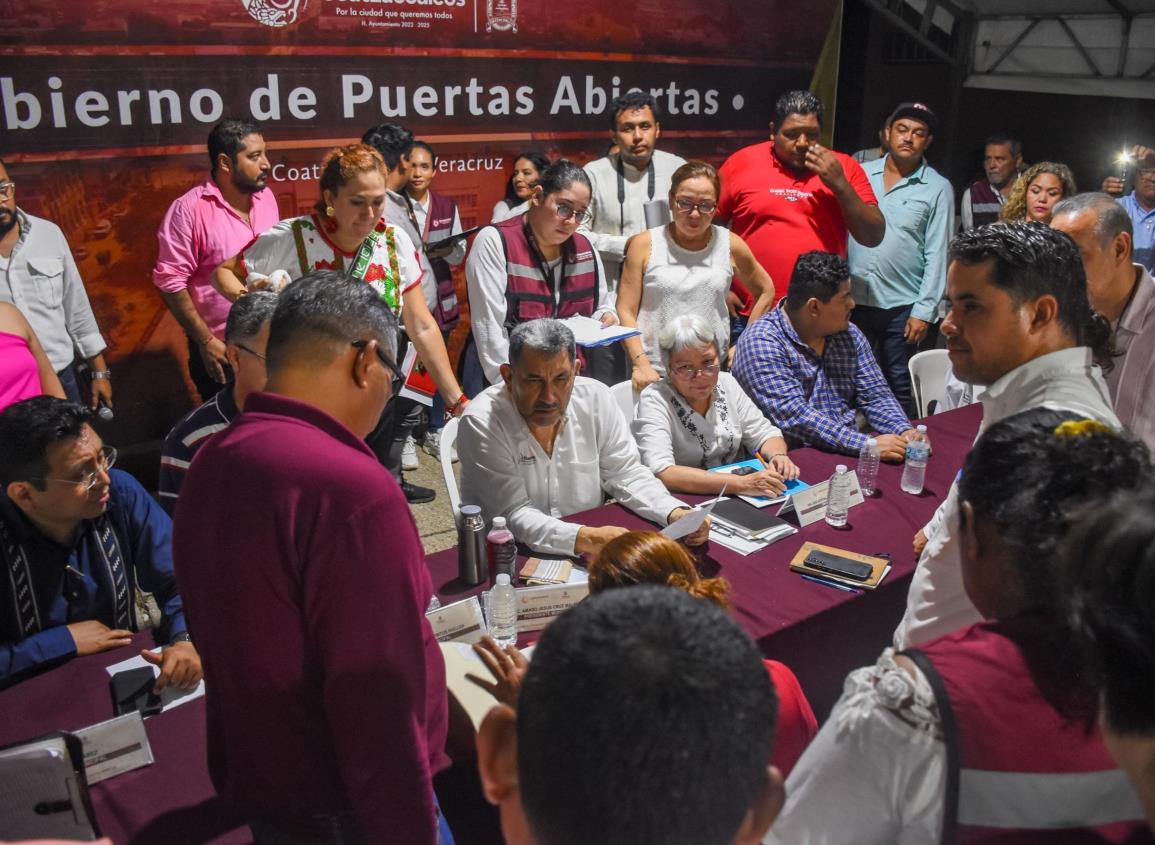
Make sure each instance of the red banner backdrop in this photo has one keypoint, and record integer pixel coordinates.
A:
(106, 105)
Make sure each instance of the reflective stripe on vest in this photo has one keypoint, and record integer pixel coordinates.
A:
(438, 226)
(529, 295)
(1022, 769)
(985, 203)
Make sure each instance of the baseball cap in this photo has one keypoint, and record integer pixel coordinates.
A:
(919, 111)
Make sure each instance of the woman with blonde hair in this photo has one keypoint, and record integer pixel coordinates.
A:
(1037, 191)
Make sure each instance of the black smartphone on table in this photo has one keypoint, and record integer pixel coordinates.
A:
(844, 567)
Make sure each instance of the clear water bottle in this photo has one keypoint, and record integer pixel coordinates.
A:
(838, 497)
(503, 619)
(917, 454)
(502, 551)
(868, 467)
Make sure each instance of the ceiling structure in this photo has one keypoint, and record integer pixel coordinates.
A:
(1087, 47)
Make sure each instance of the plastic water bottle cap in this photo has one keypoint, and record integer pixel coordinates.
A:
(870, 441)
(499, 522)
(922, 428)
(840, 468)
(502, 577)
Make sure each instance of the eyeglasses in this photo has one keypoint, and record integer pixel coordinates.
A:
(104, 462)
(244, 348)
(385, 359)
(6, 189)
(565, 213)
(1146, 173)
(687, 372)
(688, 206)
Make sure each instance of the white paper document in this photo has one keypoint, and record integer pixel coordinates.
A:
(692, 521)
(171, 696)
(589, 332)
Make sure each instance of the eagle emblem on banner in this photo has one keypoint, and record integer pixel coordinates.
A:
(275, 12)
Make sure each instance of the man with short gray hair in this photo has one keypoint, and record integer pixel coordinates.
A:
(307, 585)
(1123, 292)
(548, 443)
(246, 333)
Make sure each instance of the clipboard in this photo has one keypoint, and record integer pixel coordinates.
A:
(880, 566)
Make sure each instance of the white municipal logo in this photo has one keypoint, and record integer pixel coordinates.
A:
(275, 12)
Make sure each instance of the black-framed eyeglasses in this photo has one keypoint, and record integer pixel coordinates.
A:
(104, 462)
(687, 206)
(252, 352)
(565, 213)
(688, 372)
(385, 359)
(6, 189)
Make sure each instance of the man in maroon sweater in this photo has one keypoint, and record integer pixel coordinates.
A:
(305, 589)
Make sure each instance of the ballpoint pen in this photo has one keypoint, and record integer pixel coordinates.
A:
(830, 584)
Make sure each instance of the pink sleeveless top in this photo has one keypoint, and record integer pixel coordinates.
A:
(19, 374)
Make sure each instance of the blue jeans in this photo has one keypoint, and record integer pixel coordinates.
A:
(884, 329)
(71, 387)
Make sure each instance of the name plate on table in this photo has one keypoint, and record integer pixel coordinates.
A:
(809, 505)
(538, 606)
(461, 621)
(114, 747)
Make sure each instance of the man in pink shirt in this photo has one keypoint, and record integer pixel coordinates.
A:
(204, 227)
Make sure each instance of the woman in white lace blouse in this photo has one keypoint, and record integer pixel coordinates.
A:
(685, 267)
(1017, 756)
(699, 417)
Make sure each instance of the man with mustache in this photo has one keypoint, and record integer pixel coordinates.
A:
(897, 285)
(1021, 325)
(38, 275)
(203, 228)
(1002, 161)
(548, 443)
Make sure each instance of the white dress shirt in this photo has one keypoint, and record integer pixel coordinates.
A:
(876, 771)
(40, 278)
(611, 223)
(1066, 380)
(506, 472)
(671, 433)
(487, 281)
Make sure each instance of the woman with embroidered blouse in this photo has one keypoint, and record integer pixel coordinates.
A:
(347, 233)
(987, 734)
(698, 417)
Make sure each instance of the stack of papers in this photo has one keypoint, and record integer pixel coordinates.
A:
(745, 529)
(589, 332)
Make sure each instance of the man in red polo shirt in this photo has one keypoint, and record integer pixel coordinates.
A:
(791, 195)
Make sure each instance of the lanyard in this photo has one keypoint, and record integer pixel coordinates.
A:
(651, 174)
(543, 265)
(413, 216)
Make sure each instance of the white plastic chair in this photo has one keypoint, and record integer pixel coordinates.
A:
(626, 398)
(928, 378)
(447, 442)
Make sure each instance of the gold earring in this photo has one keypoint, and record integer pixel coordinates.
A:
(329, 211)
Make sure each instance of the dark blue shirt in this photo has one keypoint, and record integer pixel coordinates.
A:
(144, 533)
(185, 440)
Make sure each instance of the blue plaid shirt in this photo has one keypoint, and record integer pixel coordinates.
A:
(812, 398)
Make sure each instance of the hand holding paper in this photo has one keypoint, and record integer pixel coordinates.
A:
(692, 523)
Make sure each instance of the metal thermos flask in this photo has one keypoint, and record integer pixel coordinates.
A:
(471, 554)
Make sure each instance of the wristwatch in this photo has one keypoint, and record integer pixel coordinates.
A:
(182, 637)
(102, 375)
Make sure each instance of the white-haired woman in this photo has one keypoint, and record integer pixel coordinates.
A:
(685, 267)
(699, 417)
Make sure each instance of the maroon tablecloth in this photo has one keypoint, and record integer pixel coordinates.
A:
(171, 801)
(819, 632)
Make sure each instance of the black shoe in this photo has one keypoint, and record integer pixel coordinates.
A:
(417, 495)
